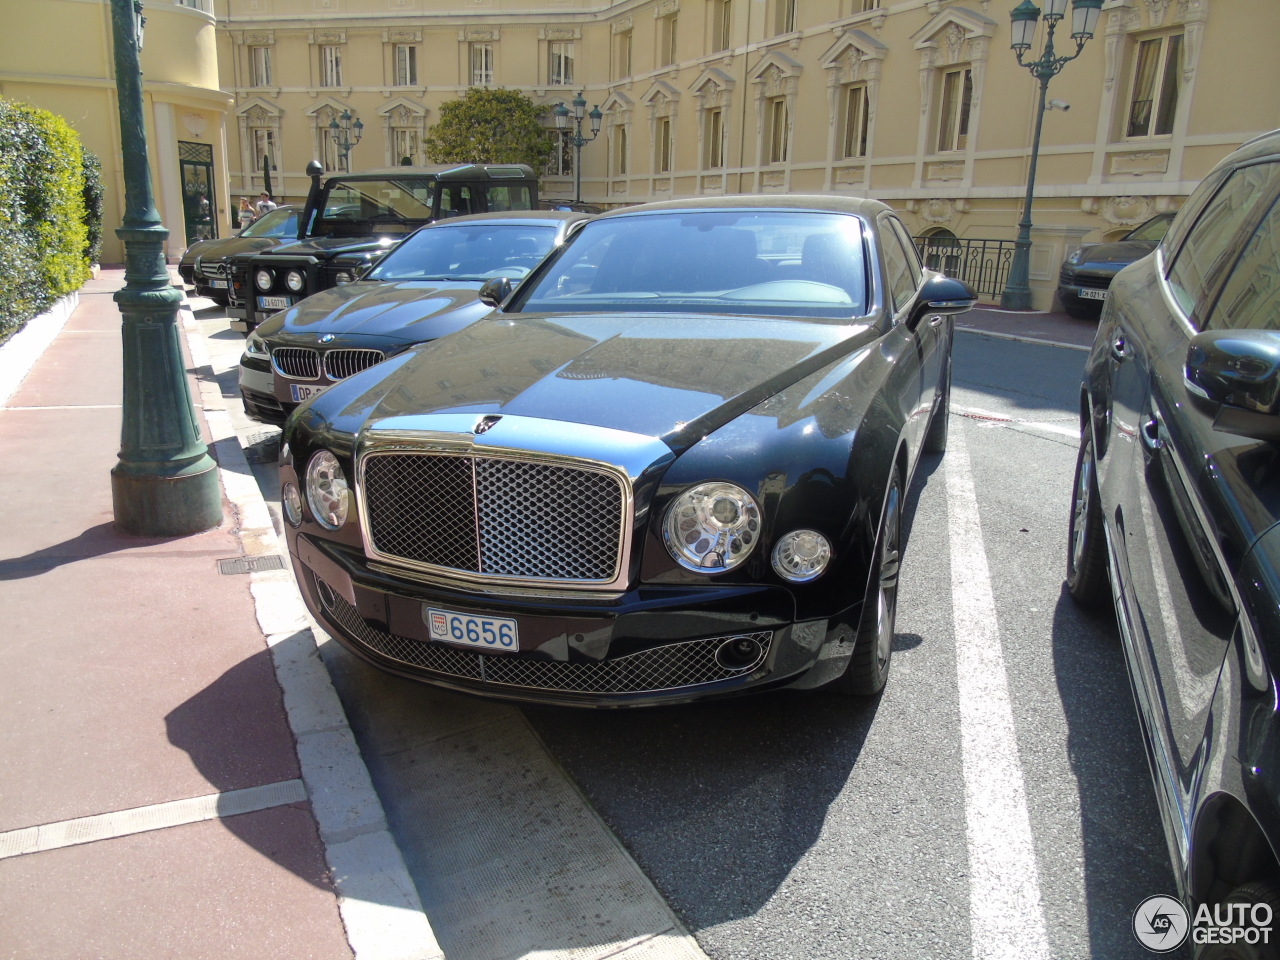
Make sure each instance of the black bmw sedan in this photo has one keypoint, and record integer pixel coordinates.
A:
(1175, 518)
(672, 465)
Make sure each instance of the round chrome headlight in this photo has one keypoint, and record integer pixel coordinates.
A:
(712, 527)
(295, 281)
(801, 555)
(263, 279)
(328, 494)
(343, 276)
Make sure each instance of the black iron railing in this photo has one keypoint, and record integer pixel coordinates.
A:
(983, 264)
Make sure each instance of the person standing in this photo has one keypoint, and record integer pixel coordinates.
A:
(245, 214)
(264, 204)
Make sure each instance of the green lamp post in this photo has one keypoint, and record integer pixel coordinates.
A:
(561, 114)
(1084, 18)
(165, 483)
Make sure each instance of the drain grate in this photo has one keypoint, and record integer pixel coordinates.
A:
(237, 565)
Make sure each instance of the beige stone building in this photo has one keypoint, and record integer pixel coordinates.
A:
(58, 55)
(920, 103)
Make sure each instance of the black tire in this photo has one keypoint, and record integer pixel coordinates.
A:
(1086, 541)
(935, 441)
(868, 668)
(1249, 893)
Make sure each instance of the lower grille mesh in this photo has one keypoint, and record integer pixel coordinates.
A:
(690, 663)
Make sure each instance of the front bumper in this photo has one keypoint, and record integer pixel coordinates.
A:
(257, 391)
(653, 645)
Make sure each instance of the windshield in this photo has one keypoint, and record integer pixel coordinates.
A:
(473, 251)
(277, 223)
(771, 263)
(387, 201)
(1152, 231)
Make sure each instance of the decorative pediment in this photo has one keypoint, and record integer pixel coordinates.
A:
(326, 108)
(855, 56)
(955, 35)
(259, 111)
(713, 86)
(617, 106)
(661, 94)
(776, 74)
(402, 107)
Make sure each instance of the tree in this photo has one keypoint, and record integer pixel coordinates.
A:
(490, 126)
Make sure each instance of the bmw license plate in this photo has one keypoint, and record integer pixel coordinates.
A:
(301, 391)
(274, 303)
(467, 630)
(219, 284)
(1087, 294)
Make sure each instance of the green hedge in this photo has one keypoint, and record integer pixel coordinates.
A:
(43, 232)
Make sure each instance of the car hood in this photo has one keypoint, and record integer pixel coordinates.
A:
(231, 246)
(1119, 253)
(327, 246)
(401, 310)
(672, 377)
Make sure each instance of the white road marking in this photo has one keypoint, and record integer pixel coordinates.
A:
(156, 816)
(1005, 907)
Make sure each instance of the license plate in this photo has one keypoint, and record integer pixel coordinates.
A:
(273, 303)
(301, 391)
(467, 630)
(1086, 294)
(219, 284)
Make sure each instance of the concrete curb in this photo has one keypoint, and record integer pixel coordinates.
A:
(20, 352)
(379, 904)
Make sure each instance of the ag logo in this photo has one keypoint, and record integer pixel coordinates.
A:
(1161, 924)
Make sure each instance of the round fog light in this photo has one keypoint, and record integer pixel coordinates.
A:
(801, 556)
(263, 279)
(295, 281)
(291, 499)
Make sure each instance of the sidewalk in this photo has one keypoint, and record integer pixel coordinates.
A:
(177, 779)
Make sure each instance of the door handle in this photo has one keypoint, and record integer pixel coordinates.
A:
(935, 320)
(1151, 434)
(1119, 348)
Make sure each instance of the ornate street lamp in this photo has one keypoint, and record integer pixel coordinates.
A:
(345, 134)
(164, 483)
(1023, 17)
(561, 114)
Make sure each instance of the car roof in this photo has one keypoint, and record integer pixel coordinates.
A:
(1265, 145)
(525, 217)
(444, 171)
(858, 206)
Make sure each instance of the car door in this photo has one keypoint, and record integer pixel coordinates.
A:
(903, 278)
(1182, 527)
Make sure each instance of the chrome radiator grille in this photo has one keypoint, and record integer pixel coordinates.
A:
(296, 362)
(494, 516)
(689, 663)
(340, 364)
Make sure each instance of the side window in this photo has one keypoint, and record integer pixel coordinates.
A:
(913, 255)
(1250, 299)
(509, 196)
(902, 280)
(1209, 242)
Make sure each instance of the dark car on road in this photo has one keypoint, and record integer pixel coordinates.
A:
(206, 264)
(426, 287)
(1087, 272)
(672, 465)
(352, 219)
(1176, 519)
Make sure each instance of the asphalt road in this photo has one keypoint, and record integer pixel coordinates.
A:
(993, 802)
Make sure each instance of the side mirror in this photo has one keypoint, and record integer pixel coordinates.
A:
(943, 295)
(1235, 375)
(495, 291)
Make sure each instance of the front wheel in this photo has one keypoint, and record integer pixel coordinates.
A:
(1248, 897)
(868, 668)
(1086, 541)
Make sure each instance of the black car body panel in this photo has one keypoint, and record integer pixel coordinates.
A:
(206, 264)
(811, 416)
(351, 220)
(1189, 499)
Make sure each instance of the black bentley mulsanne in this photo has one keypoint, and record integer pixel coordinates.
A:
(672, 465)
